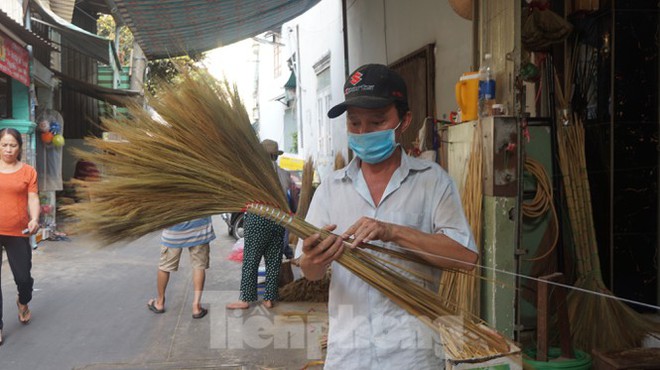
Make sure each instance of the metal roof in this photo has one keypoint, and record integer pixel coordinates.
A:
(83, 41)
(63, 8)
(168, 28)
(8, 25)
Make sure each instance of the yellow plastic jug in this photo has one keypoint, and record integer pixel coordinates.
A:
(467, 95)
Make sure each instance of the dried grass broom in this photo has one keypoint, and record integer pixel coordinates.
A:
(460, 287)
(203, 158)
(597, 320)
(306, 188)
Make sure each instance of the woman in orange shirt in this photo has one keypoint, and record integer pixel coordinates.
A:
(19, 217)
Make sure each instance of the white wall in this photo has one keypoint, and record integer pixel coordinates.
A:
(317, 33)
(235, 63)
(383, 31)
(271, 111)
(249, 64)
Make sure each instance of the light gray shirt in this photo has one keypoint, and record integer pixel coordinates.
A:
(366, 329)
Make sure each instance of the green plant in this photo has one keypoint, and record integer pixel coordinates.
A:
(294, 141)
(105, 26)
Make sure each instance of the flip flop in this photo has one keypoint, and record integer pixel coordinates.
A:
(152, 307)
(201, 313)
(23, 313)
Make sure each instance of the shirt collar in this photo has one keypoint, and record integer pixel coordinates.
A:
(407, 164)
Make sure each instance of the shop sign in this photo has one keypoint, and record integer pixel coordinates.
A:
(14, 60)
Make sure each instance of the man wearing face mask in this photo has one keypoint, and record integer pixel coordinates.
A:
(387, 198)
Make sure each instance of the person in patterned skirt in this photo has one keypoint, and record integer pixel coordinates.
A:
(263, 238)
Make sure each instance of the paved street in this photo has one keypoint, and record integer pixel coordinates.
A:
(89, 312)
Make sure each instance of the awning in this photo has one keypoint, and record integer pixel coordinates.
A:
(63, 8)
(84, 42)
(179, 27)
(291, 82)
(11, 27)
(113, 96)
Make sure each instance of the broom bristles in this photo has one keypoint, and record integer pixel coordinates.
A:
(306, 189)
(200, 158)
(597, 322)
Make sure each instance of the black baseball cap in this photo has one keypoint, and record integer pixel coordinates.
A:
(371, 86)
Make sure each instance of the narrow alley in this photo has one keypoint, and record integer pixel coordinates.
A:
(89, 312)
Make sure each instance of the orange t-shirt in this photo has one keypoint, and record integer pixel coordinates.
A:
(14, 189)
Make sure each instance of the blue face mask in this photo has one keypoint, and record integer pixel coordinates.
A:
(373, 147)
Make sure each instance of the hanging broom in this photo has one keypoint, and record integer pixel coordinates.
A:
(597, 322)
(201, 157)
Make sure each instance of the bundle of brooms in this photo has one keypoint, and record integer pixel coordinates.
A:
(201, 157)
(463, 289)
(303, 290)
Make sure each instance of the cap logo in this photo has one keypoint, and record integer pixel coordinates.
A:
(356, 78)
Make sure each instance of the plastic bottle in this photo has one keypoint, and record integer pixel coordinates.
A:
(486, 87)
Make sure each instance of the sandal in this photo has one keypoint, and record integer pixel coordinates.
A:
(25, 315)
(151, 305)
(202, 312)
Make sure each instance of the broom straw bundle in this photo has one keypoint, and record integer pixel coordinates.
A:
(201, 157)
(460, 287)
(597, 322)
(306, 188)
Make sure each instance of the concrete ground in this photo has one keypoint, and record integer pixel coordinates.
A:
(89, 312)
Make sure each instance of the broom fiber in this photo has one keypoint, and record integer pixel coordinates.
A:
(457, 286)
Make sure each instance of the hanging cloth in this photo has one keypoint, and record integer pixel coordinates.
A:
(542, 27)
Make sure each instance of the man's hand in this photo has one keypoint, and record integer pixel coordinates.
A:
(367, 229)
(318, 254)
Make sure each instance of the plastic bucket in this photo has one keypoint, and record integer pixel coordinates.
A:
(582, 360)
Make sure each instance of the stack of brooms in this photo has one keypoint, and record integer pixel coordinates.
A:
(201, 157)
(460, 288)
(303, 290)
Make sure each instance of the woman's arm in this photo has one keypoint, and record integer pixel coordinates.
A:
(33, 210)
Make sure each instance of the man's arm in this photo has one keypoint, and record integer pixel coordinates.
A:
(438, 249)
